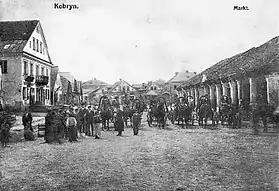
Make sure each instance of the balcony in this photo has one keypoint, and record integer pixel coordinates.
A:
(41, 80)
(28, 78)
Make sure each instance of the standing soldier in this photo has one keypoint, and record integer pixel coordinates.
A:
(97, 124)
(136, 118)
(119, 123)
(89, 121)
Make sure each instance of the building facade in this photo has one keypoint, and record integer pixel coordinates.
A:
(242, 77)
(25, 64)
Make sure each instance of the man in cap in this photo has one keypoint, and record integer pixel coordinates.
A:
(89, 121)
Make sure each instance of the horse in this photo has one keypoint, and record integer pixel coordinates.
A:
(157, 111)
(183, 114)
(205, 112)
(106, 111)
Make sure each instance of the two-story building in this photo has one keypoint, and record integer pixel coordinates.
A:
(25, 64)
(121, 89)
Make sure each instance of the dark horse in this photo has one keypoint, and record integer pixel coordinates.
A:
(205, 112)
(158, 111)
(106, 111)
(182, 112)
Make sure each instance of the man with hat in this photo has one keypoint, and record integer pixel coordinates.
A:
(89, 121)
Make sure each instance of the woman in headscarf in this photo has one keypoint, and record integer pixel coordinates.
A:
(119, 125)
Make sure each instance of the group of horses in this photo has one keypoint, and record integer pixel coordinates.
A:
(108, 108)
(184, 111)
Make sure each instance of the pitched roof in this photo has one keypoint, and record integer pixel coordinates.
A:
(67, 76)
(17, 30)
(259, 60)
(182, 76)
(15, 34)
(118, 83)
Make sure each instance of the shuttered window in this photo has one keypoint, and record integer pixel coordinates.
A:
(34, 44)
(4, 67)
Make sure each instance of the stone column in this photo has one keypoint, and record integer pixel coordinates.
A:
(192, 92)
(206, 90)
(239, 89)
(201, 91)
(225, 90)
(218, 94)
(233, 91)
(253, 90)
(196, 92)
(267, 89)
(211, 92)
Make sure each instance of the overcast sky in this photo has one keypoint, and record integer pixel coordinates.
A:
(140, 40)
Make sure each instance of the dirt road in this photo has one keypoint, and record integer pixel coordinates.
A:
(168, 159)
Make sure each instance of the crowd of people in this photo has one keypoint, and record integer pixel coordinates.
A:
(71, 123)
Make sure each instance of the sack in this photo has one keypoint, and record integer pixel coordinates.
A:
(72, 121)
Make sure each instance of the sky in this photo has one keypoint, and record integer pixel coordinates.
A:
(142, 40)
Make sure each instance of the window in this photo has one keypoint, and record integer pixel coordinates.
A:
(38, 30)
(30, 44)
(43, 50)
(4, 67)
(43, 71)
(41, 44)
(25, 68)
(37, 69)
(37, 45)
(155, 88)
(31, 69)
(24, 93)
(34, 44)
(46, 72)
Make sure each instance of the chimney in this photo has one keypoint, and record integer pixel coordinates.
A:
(176, 73)
(187, 71)
(95, 79)
(120, 79)
(195, 72)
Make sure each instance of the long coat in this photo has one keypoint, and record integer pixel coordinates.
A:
(119, 125)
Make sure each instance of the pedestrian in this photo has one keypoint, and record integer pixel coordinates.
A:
(97, 124)
(86, 122)
(136, 118)
(27, 123)
(56, 127)
(81, 115)
(89, 121)
(27, 120)
(4, 132)
(119, 122)
(71, 124)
